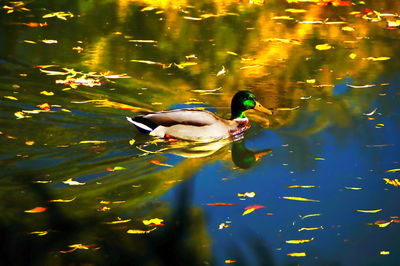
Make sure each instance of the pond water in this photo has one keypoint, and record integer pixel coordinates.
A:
(316, 183)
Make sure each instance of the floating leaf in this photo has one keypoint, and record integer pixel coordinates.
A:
(220, 204)
(300, 199)
(381, 58)
(92, 141)
(361, 86)
(294, 10)
(153, 222)
(39, 233)
(250, 209)
(384, 252)
(310, 215)
(132, 141)
(118, 221)
(297, 254)
(116, 168)
(137, 231)
(352, 56)
(392, 170)
(62, 200)
(319, 159)
(369, 211)
(73, 182)
(29, 142)
(371, 113)
(221, 72)
(36, 210)
(348, 28)
(382, 223)
(156, 162)
(302, 241)
(230, 261)
(11, 98)
(394, 182)
(247, 194)
(50, 41)
(323, 47)
(300, 186)
(310, 228)
(353, 188)
(47, 93)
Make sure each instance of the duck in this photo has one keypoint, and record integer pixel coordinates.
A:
(192, 124)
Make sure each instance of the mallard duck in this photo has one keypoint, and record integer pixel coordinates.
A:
(200, 125)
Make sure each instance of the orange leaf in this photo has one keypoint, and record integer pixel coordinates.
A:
(160, 163)
(36, 210)
(220, 204)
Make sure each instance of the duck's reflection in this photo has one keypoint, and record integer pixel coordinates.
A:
(241, 156)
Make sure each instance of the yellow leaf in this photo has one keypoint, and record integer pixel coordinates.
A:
(27, 41)
(39, 233)
(248, 211)
(11, 98)
(221, 72)
(393, 182)
(381, 58)
(73, 182)
(310, 81)
(353, 188)
(302, 241)
(294, 10)
(29, 142)
(299, 199)
(383, 224)
(352, 56)
(392, 170)
(310, 215)
(47, 93)
(65, 110)
(155, 221)
(348, 28)
(310, 228)
(119, 221)
(132, 141)
(137, 231)
(369, 211)
(247, 194)
(92, 141)
(323, 47)
(297, 254)
(147, 8)
(384, 252)
(61, 200)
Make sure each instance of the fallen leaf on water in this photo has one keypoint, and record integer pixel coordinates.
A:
(392, 170)
(294, 10)
(220, 204)
(230, 261)
(61, 15)
(92, 141)
(247, 194)
(11, 98)
(36, 210)
(137, 231)
(352, 56)
(394, 182)
(310, 215)
(381, 58)
(185, 64)
(73, 182)
(299, 186)
(47, 93)
(384, 252)
(39, 233)
(62, 200)
(132, 141)
(361, 86)
(371, 113)
(221, 72)
(348, 28)
(300, 199)
(323, 47)
(302, 241)
(118, 221)
(49, 41)
(297, 254)
(310, 228)
(75, 247)
(369, 211)
(116, 168)
(29, 142)
(353, 188)
(382, 223)
(319, 159)
(156, 162)
(250, 209)
(153, 222)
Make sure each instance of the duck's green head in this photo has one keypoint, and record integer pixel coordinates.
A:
(245, 100)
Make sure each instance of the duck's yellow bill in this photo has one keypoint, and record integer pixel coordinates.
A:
(262, 109)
